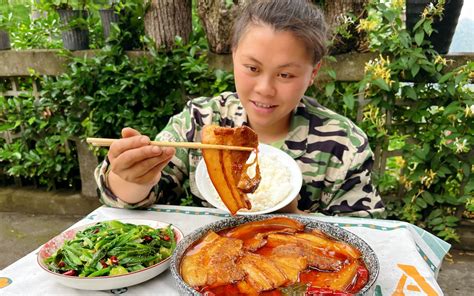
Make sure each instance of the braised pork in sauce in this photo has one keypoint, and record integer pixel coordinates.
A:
(268, 256)
(228, 168)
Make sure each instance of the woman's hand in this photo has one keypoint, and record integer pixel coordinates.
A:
(135, 166)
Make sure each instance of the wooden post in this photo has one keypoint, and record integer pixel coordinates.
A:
(166, 19)
(217, 18)
(87, 164)
(335, 13)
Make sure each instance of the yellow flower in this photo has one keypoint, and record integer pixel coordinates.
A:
(427, 11)
(452, 118)
(367, 25)
(379, 69)
(428, 178)
(400, 161)
(374, 116)
(431, 174)
(440, 60)
(431, 9)
(406, 183)
(398, 3)
(469, 111)
(461, 146)
(435, 109)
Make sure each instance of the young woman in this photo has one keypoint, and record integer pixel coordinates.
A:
(277, 49)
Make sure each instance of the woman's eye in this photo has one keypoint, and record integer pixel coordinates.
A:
(252, 68)
(285, 75)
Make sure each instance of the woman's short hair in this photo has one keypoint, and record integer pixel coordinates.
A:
(301, 17)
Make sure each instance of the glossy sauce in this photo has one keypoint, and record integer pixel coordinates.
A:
(310, 276)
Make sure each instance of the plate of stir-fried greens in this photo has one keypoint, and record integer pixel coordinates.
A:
(110, 254)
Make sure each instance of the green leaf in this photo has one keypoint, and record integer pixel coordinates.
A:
(452, 220)
(380, 83)
(193, 50)
(329, 90)
(332, 74)
(434, 214)
(428, 198)
(415, 69)
(451, 108)
(418, 24)
(436, 221)
(445, 77)
(421, 203)
(427, 27)
(423, 152)
(443, 171)
(469, 186)
(410, 92)
(451, 89)
(349, 101)
(419, 36)
(389, 15)
(7, 126)
(404, 40)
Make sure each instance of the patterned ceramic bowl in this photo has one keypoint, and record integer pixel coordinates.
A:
(368, 255)
(103, 282)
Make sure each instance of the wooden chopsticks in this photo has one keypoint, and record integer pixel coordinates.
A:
(104, 142)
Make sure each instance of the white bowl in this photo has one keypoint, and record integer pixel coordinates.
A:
(207, 190)
(104, 282)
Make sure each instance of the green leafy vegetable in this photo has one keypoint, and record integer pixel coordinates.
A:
(112, 248)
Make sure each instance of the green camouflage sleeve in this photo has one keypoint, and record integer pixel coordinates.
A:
(107, 197)
(336, 163)
(170, 187)
(356, 195)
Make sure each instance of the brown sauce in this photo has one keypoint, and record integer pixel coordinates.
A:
(341, 271)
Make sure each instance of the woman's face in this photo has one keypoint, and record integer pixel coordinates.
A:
(272, 72)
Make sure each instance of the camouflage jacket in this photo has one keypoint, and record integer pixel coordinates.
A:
(333, 153)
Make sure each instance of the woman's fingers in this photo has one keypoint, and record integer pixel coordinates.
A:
(128, 132)
(130, 139)
(153, 175)
(133, 159)
(142, 164)
(127, 144)
(140, 157)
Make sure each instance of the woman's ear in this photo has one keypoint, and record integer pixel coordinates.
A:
(314, 72)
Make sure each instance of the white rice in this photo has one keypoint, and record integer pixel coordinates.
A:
(274, 186)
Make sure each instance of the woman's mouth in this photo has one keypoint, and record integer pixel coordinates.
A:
(262, 105)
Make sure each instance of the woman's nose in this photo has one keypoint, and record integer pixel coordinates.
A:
(265, 86)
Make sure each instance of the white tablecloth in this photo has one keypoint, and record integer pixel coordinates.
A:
(409, 256)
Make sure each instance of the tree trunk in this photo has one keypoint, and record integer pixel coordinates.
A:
(87, 164)
(217, 19)
(166, 19)
(335, 13)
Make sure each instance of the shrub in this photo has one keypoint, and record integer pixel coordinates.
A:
(421, 107)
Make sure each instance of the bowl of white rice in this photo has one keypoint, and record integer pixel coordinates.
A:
(280, 184)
